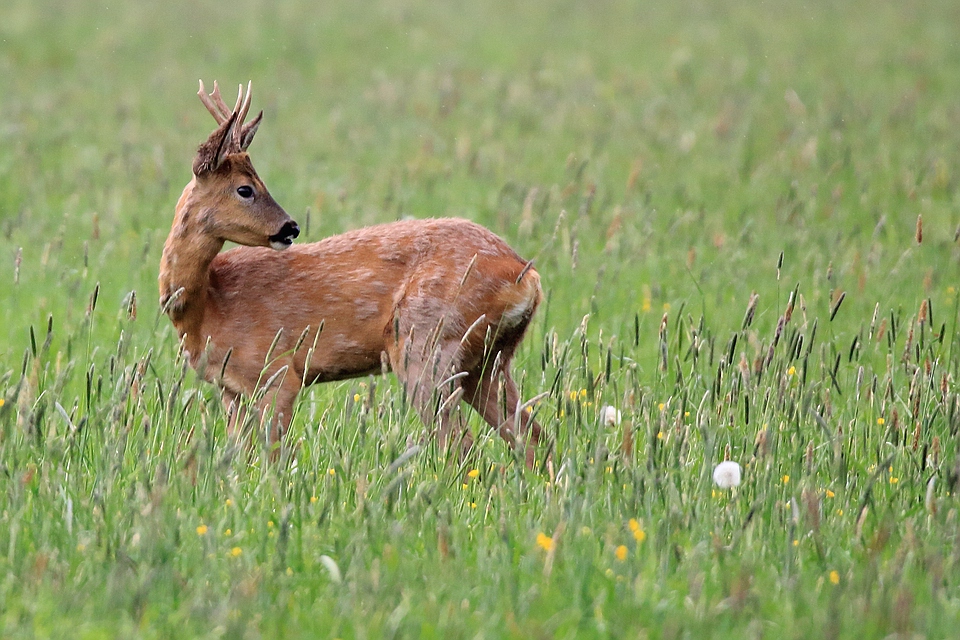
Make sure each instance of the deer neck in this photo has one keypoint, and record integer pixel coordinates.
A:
(185, 266)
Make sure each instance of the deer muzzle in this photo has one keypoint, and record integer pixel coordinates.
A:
(284, 238)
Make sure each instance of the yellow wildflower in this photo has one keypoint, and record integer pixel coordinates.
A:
(792, 371)
(638, 533)
(881, 421)
(621, 553)
(236, 551)
(830, 494)
(228, 532)
(785, 479)
(834, 577)
(332, 472)
(545, 541)
(473, 473)
(202, 530)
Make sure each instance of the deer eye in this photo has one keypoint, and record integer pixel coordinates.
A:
(245, 191)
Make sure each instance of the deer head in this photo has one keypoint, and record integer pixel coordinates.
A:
(236, 205)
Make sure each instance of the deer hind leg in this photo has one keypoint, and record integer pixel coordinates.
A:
(494, 394)
(431, 386)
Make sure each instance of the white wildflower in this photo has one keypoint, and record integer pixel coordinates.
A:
(610, 416)
(727, 474)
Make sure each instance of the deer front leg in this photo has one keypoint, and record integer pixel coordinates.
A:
(233, 409)
(276, 404)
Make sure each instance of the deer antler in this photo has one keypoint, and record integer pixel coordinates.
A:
(214, 103)
(243, 133)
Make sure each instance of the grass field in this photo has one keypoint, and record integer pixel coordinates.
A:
(662, 162)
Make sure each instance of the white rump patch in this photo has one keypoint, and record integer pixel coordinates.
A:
(513, 315)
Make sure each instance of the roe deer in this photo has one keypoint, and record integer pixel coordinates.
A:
(443, 303)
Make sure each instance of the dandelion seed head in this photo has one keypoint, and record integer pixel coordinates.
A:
(727, 474)
(610, 416)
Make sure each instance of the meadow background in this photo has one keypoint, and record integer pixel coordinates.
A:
(662, 162)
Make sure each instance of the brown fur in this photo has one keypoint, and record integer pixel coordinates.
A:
(404, 294)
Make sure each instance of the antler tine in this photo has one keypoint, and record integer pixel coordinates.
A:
(246, 105)
(210, 102)
(218, 100)
(236, 109)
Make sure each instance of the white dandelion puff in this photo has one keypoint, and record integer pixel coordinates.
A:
(610, 416)
(727, 474)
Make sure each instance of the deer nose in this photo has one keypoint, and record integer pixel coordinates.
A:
(284, 238)
(290, 229)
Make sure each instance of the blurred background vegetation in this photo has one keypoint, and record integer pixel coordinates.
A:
(688, 144)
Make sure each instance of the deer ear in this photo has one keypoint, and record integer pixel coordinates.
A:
(211, 153)
(248, 131)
